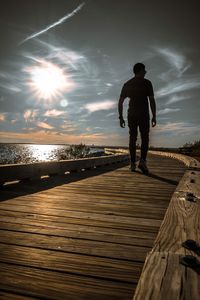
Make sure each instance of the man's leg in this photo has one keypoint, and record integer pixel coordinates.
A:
(144, 132)
(132, 140)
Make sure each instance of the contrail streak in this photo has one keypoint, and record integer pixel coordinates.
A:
(60, 21)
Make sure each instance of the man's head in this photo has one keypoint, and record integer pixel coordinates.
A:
(139, 70)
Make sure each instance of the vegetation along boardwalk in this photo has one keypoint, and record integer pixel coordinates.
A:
(83, 235)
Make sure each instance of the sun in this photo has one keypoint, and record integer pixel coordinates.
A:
(48, 80)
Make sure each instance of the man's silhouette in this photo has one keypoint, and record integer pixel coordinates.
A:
(138, 90)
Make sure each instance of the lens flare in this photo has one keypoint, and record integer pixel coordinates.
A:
(48, 80)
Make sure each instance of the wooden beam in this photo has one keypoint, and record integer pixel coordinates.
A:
(164, 276)
(36, 170)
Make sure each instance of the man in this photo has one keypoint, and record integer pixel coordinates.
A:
(139, 90)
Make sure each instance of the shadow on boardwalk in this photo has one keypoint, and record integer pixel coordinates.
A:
(167, 180)
(26, 187)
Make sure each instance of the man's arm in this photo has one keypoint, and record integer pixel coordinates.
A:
(120, 110)
(153, 110)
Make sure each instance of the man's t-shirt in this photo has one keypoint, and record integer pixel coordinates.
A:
(138, 90)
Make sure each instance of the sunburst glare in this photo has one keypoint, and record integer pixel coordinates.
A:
(49, 81)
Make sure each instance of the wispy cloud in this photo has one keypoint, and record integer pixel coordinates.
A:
(59, 22)
(44, 125)
(54, 113)
(111, 114)
(10, 87)
(104, 105)
(174, 58)
(179, 86)
(176, 128)
(14, 121)
(176, 98)
(167, 110)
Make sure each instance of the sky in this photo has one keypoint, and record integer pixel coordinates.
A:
(63, 64)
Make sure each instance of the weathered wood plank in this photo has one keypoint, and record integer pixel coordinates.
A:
(85, 235)
(89, 247)
(112, 269)
(164, 278)
(93, 207)
(106, 217)
(13, 218)
(136, 225)
(163, 275)
(60, 285)
(12, 296)
(182, 219)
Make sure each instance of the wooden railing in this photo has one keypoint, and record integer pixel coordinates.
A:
(12, 172)
(168, 272)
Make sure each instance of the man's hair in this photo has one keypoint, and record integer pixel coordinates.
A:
(138, 67)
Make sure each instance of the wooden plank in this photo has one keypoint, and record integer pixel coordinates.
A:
(57, 285)
(181, 221)
(89, 247)
(113, 237)
(126, 235)
(93, 207)
(107, 268)
(136, 225)
(12, 296)
(84, 215)
(189, 161)
(163, 277)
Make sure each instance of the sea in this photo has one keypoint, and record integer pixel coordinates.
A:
(29, 153)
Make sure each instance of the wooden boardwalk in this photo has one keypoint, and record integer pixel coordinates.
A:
(83, 235)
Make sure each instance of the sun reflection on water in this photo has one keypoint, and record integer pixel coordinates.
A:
(42, 152)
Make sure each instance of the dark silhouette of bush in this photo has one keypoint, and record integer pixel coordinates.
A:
(75, 151)
(191, 148)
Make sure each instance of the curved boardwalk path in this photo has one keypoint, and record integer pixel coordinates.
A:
(83, 235)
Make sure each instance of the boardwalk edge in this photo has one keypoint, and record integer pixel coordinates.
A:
(164, 276)
(13, 172)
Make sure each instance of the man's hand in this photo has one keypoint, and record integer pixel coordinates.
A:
(122, 122)
(153, 122)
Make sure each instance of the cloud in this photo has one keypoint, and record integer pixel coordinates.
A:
(14, 121)
(54, 113)
(177, 60)
(167, 110)
(2, 117)
(111, 114)
(44, 125)
(178, 86)
(104, 105)
(177, 98)
(54, 137)
(30, 115)
(9, 87)
(68, 127)
(59, 22)
(176, 128)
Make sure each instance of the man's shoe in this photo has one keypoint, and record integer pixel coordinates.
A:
(133, 167)
(143, 167)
